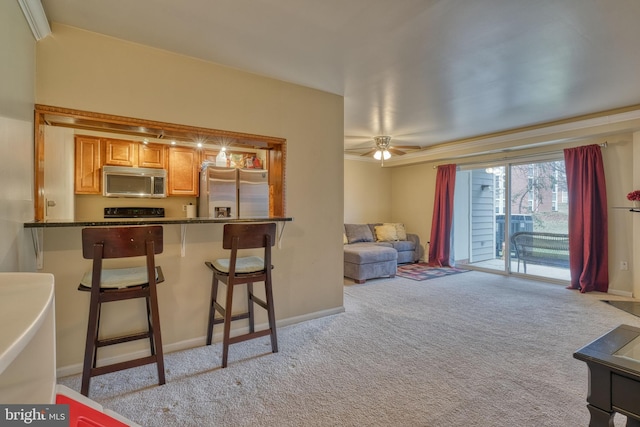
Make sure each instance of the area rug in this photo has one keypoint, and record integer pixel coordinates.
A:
(421, 271)
(631, 307)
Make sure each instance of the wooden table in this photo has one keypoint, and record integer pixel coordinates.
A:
(614, 376)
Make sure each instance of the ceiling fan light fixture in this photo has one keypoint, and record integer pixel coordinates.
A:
(382, 144)
(382, 154)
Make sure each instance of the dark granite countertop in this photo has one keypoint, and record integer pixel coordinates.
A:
(147, 221)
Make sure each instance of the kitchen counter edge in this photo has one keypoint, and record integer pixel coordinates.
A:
(148, 221)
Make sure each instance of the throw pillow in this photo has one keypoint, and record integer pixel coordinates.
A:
(358, 233)
(400, 230)
(386, 233)
(344, 239)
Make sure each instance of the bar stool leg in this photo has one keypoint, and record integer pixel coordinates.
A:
(227, 324)
(152, 346)
(95, 348)
(156, 334)
(271, 313)
(250, 307)
(212, 308)
(90, 344)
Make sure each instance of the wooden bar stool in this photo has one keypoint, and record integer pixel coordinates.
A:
(118, 284)
(243, 270)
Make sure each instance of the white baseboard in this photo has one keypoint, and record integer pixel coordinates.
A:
(65, 371)
(620, 293)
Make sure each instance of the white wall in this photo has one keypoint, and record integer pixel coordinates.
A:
(367, 192)
(412, 193)
(17, 74)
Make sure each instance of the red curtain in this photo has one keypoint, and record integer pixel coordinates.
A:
(588, 228)
(440, 242)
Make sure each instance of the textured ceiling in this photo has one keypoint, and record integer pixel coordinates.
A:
(423, 71)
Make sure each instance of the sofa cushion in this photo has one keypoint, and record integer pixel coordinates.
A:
(386, 233)
(366, 254)
(403, 245)
(358, 233)
(384, 244)
(402, 232)
(372, 227)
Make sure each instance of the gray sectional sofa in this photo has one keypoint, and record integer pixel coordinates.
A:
(375, 250)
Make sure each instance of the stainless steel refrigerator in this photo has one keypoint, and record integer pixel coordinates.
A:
(218, 192)
(253, 193)
(233, 193)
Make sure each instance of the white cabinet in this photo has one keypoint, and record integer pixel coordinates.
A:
(27, 339)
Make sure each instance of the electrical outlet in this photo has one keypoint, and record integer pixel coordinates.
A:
(624, 265)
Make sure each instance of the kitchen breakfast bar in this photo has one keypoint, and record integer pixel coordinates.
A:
(183, 297)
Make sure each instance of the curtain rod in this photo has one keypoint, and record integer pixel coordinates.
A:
(524, 156)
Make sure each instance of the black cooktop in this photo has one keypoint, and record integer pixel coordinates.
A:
(134, 212)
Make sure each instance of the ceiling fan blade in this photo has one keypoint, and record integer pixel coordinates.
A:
(395, 151)
(368, 153)
(407, 147)
(360, 147)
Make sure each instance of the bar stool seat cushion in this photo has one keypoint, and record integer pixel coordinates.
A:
(250, 264)
(118, 278)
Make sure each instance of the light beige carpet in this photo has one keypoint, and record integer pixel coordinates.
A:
(471, 349)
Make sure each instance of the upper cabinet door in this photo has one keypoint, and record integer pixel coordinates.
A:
(120, 153)
(183, 171)
(152, 156)
(87, 165)
(208, 156)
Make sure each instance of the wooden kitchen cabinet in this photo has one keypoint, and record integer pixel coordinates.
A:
(87, 165)
(208, 156)
(183, 171)
(152, 156)
(120, 152)
(132, 153)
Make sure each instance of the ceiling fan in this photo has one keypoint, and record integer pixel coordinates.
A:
(383, 149)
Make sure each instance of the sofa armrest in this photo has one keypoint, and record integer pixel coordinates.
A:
(417, 252)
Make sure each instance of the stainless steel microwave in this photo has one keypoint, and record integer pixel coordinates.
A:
(122, 181)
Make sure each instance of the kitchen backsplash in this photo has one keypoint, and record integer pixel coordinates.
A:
(91, 207)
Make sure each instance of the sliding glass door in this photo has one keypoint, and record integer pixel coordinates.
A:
(492, 203)
(479, 199)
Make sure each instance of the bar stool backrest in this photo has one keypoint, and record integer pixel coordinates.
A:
(249, 235)
(122, 242)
